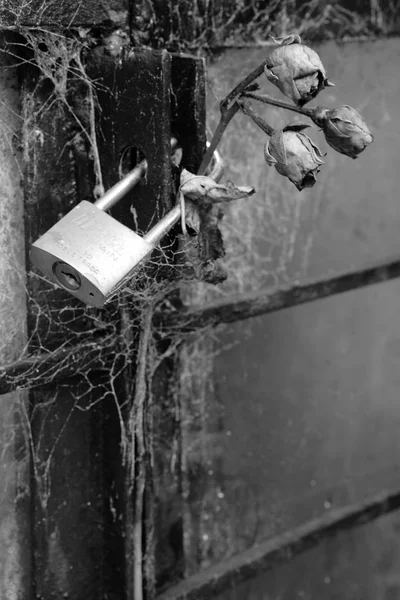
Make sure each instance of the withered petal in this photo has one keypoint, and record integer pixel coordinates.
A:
(336, 130)
(309, 180)
(277, 144)
(293, 38)
(270, 160)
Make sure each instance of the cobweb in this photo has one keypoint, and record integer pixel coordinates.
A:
(74, 358)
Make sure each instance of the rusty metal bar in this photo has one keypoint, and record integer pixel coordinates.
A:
(253, 304)
(34, 371)
(41, 368)
(282, 548)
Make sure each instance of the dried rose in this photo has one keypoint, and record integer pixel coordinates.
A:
(296, 70)
(294, 155)
(344, 129)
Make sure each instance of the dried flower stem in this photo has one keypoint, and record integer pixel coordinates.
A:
(259, 121)
(226, 118)
(268, 100)
(229, 108)
(225, 104)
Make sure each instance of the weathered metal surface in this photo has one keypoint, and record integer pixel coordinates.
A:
(67, 484)
(133, 95)
(15, 493)
(188, 126)
(252, 304)
(51, 188)
(263, 556)
(189, 25)
(301, 411)
(50, 13)
(121, 125)
(55, 544)
(219, 23)
(226, 23)
(134, 100)
(188, 110)
(346, 566)
(35, 370)
(57, 366)
(201, 256)
(64, 434)
(83, 534)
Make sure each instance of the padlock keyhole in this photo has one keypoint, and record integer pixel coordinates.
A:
(71, 279)
(67, 276)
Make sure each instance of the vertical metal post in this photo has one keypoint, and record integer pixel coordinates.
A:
(15, 510)
(135, 118)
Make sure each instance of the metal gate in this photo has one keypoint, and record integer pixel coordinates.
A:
(97, 527)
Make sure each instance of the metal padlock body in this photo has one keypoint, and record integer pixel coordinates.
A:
(96, 251)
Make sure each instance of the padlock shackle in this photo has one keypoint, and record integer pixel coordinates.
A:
(157, 232)
(122, 187)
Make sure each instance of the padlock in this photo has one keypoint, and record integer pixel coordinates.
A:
(90, 254)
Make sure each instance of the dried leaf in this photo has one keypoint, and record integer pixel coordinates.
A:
(192, 216)
(196, 187)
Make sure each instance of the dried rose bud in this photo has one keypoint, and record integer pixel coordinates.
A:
(294, 155)
(296, 70)
(344, 129)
